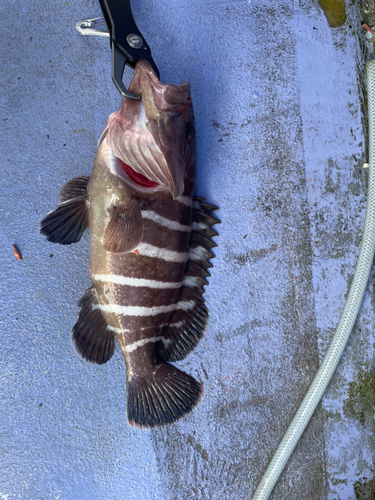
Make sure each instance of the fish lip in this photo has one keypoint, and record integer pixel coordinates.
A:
(145, 82)
(166, 98)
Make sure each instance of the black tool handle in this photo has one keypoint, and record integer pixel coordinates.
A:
(121, 24)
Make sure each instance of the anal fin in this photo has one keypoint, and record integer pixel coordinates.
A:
(91, 336)
(125, 230)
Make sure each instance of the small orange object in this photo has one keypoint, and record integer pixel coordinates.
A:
(368, 28)
(136, 252)
(17, 253)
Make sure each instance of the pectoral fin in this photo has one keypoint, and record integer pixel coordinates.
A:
(66, 224)
(74, 188)
(125, 230)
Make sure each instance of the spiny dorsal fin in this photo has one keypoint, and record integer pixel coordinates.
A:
(125, 230)
(204, 217)
(65, 225)
(204, 230)
(193, 269)
(185, 328)
(203, 205)
(200, 242)
(161, 398)
(74, 188)
(201, 256)
(91, 336)
(198, 239)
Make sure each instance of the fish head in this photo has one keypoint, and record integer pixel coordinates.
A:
(153, 139)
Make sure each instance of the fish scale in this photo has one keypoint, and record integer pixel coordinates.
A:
(150, 248)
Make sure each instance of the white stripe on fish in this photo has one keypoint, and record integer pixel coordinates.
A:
(170, 224)
(117, 330)
(185, 200)
(161, 253)
(144, 311)
(140, 343)
(137, 282)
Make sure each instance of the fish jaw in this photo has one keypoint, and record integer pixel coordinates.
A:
(154, 137)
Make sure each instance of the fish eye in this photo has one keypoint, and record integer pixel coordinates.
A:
(189, 131)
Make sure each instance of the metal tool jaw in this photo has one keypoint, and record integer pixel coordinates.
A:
(127, 43)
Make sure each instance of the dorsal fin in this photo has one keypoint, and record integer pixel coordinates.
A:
(91, 336)
(185, 328)
(204, 230)
(198, 239)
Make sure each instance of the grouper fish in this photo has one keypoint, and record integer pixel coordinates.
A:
(150, 246)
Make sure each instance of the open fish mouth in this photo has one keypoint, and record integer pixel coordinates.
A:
(149, 136)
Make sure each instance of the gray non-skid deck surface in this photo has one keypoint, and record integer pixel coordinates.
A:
(281, 145)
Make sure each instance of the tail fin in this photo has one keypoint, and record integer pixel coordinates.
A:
(161, 398)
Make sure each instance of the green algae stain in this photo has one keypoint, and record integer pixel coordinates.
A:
(334, 11)
(361, 402)
(360, 405)
(364, 489)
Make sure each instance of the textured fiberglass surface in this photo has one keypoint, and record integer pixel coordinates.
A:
(281, 143)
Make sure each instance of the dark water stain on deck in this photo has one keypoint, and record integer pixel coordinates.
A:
(334, 11)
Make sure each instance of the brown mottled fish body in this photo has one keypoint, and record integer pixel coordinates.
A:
(149, 248)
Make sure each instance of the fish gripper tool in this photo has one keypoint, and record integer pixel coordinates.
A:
(127, 43)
